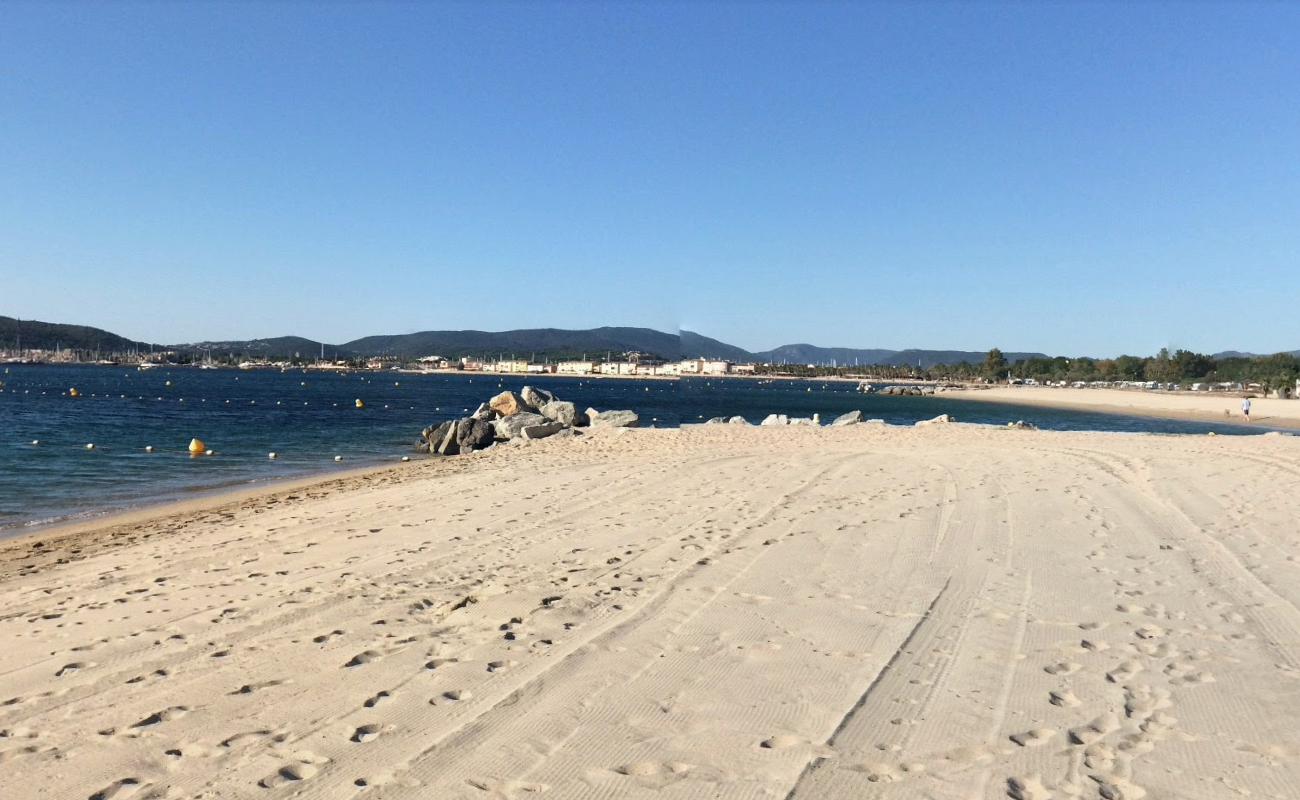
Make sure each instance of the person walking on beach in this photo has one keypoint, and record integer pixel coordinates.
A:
(1245, 409)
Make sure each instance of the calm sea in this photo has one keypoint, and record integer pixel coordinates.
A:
(309, 418)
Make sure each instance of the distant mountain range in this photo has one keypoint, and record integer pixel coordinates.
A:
(552, 343)
(51, 336)
(1240, 354)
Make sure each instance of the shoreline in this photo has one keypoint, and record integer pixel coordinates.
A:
(207, 501)
(1185, 407)
(216, 499)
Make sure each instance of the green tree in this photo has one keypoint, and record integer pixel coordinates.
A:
(994, 364)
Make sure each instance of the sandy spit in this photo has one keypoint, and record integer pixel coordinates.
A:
(713, 612)
(1199, 406)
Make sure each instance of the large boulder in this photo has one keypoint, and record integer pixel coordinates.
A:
(562, 411)
(446, 445)
(803, 421)
(542, 430)
(432, 436)
(851, 418)
(612, 419)
(535, 398)
(737, 421)
(775, 419)
(485, 412)
(474, 434)
(512, 427)
(507, 404)
(716, 421)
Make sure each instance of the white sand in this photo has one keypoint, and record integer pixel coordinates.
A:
(946, 612)
(1203, 406)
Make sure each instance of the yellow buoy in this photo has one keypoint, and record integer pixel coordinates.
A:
(197, 447)
(73, 392)
(360, 403)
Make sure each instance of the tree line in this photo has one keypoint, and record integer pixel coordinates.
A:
(1178, 367)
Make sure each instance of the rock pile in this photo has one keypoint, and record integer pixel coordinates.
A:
(530, 414)
(910, 391)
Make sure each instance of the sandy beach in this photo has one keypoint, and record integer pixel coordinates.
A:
(943, 612)
(1203, 406)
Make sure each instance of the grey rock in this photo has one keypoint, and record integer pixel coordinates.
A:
(809, 421)
(543, 430)
(435, 434)
(512, 427)
(535, 398)
(737, 421)
(613, 418)
(775, 419)
(562, 411)
(851, 418)
(484, 411)
(446, 445)
(474, 434)
(717, 421)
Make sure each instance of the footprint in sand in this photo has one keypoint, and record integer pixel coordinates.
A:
(452, 695)
(158, 673)
(118, 790)
(325, 637)
(159, 717)
(1095, 730)
(363, 658)
(289, 773)
(649, 769)
(1028, 787)
(1062, 668)
(1114, 788)
(377, 698)
(68, 669)
(366, 733)
(878, 773)
(1124, 672)
(249, 688)
(780, 742)
(1063, 698)
(1150, 632)
(1142, 701)
(1033, 738)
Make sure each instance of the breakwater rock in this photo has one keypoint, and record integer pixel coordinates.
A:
(510, 417)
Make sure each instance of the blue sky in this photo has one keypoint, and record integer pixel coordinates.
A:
(1076, 179)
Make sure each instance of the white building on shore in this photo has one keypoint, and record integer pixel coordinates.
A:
(704, 366)
(617, 368)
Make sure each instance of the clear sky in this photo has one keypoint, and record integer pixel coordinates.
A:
(1076, 179)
